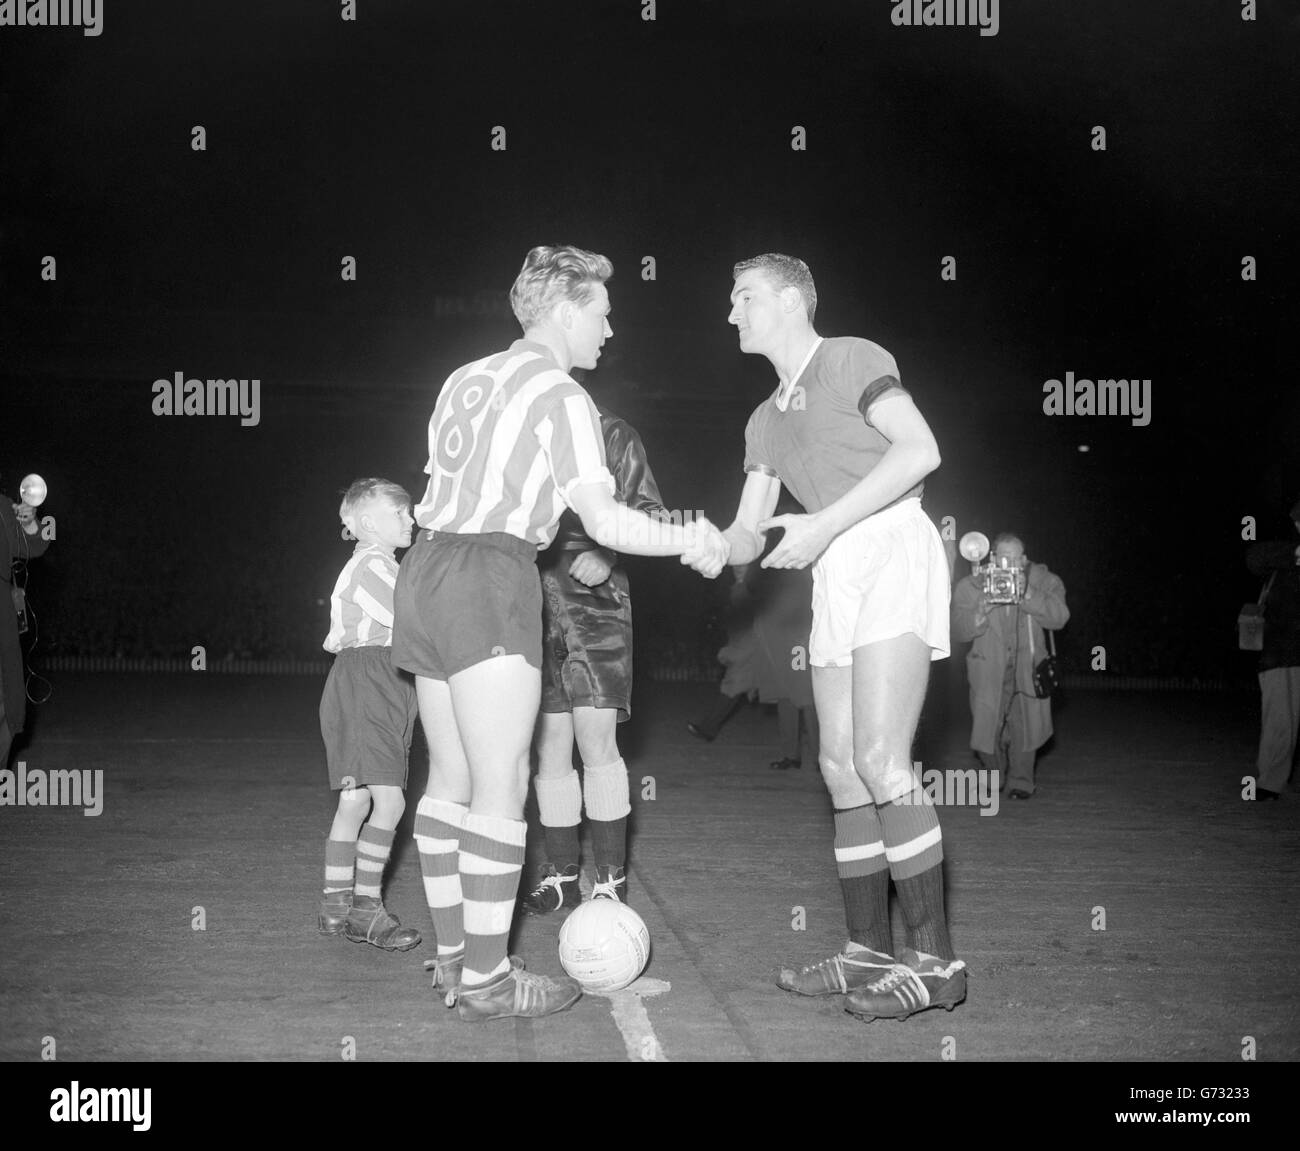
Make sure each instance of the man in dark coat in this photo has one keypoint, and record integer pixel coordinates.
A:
(1278, 562)
(20, 539)
(1009, 723)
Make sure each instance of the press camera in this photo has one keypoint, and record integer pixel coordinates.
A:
(1003, 580)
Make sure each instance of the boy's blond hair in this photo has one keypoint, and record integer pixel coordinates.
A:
(361, 492)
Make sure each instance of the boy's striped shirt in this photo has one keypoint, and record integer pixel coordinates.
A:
(361, 605)
(510, 437)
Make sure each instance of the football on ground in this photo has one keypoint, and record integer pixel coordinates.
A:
(604, 945)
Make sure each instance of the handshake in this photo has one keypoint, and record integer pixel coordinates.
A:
(706, 550)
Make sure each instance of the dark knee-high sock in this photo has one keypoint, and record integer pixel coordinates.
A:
(608, 806)
(914, 848)
(559, 804)
(864, 877)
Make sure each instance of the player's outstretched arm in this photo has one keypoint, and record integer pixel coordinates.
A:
(757, 503)
(617, 527)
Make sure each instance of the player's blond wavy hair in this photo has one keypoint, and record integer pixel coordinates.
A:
(784, 272)
(551, 274)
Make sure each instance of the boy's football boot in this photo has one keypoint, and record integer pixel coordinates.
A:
(333, 914)
(370, 922)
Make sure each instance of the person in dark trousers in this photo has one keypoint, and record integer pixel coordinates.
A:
(20, 540)
(737, 656)
(1278, 562)
(587, 689)
(1009, 723)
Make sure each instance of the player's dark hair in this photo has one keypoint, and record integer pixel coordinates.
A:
(784, 272)
(1007, 537)
(552, 274)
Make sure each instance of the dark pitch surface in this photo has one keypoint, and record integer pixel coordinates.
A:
(215, 797)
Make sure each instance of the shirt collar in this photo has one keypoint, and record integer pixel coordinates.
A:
(523, 345)
(783, 394)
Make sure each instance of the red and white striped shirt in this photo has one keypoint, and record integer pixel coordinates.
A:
(361, 605)
(510, 438)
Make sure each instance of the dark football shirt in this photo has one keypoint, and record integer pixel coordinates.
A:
(824, 443)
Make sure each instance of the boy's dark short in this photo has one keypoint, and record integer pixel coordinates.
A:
(367, 717)
(587, 641)
(463, 599)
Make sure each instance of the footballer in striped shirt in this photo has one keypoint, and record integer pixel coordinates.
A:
(513, 441)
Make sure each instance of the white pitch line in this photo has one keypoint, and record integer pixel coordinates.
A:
(633, 1022)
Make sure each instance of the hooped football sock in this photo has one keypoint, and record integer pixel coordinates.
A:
(438, 825)
(921, 899)
(491, 859)
(374, 845)
(864, 877)
(914, 848)
(340, 865)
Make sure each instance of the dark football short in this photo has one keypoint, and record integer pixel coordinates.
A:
(587, 645)
(461, 599)
(367, 715)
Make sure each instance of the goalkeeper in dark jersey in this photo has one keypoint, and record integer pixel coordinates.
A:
(587, 689)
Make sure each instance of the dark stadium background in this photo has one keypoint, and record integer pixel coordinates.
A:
(668, 139)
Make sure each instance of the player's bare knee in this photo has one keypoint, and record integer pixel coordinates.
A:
(886, 775)
(390, 804)
(354, 801)
(597, 736)
(554, 758)
(840, 778)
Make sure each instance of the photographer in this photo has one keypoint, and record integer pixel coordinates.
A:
(20, 540)
(1010, 723)
(1279, 662)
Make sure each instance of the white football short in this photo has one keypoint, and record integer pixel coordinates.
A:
(886, 576)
